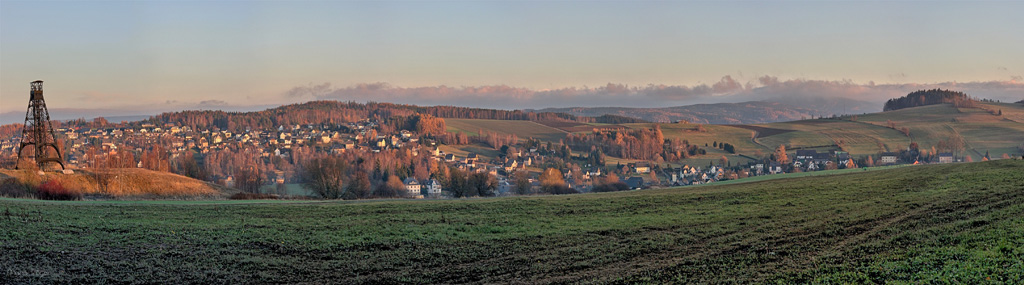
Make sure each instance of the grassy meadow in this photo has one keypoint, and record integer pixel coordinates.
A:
(952, 223)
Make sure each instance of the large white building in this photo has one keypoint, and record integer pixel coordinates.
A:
(413, 187)
(432, 188)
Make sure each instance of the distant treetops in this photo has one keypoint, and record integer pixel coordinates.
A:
(929, 97)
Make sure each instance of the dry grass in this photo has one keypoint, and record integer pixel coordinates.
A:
(122, 183)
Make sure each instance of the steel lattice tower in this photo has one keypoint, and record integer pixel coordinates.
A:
(38, 132)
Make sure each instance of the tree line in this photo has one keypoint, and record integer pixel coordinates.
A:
(335, 112)
(930, 97)
(641, 144)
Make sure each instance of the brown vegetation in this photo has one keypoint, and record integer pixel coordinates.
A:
(780, 154)
(428, 125)
(52, 190)
(551, 181)
(113, 183)
(10, 130)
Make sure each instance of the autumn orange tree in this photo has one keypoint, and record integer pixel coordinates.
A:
(391, 188)
(780, 154)
(551, 181)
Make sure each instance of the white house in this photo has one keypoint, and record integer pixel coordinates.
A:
(432, 188)
(643, 168)
(413, 187)
(945, 157)
(887, 158)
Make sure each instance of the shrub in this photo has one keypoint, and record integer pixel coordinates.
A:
(559, 189)
(11, 188)
(619, 186)
(53, 190)
(253, 196)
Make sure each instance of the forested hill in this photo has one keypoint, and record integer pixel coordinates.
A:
(929, 97)
(335, 112)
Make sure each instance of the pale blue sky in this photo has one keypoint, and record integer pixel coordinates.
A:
(138, 53)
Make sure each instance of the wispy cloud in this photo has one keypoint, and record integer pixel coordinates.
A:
(727, 89)
(212, 103)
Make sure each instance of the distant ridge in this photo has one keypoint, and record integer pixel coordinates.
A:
(753, 112)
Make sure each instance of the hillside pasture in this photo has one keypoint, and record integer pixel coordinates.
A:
(941, 113)
(522, 129)
(1011, 111)
(574, 127)
(859, 138)
(981, 130)
(996, 138)
(953, 223)
(861, 134)
(738, 137)
(797, 140)
(763, 131)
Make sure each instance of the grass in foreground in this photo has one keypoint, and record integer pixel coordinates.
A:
(939, 223)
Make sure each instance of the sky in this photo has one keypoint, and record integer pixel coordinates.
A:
(143, 57)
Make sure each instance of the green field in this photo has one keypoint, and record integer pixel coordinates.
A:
(290, 189)
(951, 223)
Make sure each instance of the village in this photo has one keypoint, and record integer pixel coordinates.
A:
(88, 145)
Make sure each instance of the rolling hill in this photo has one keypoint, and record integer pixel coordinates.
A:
(119, 183)
(951, 223)
(860, 135)
(522, 129)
